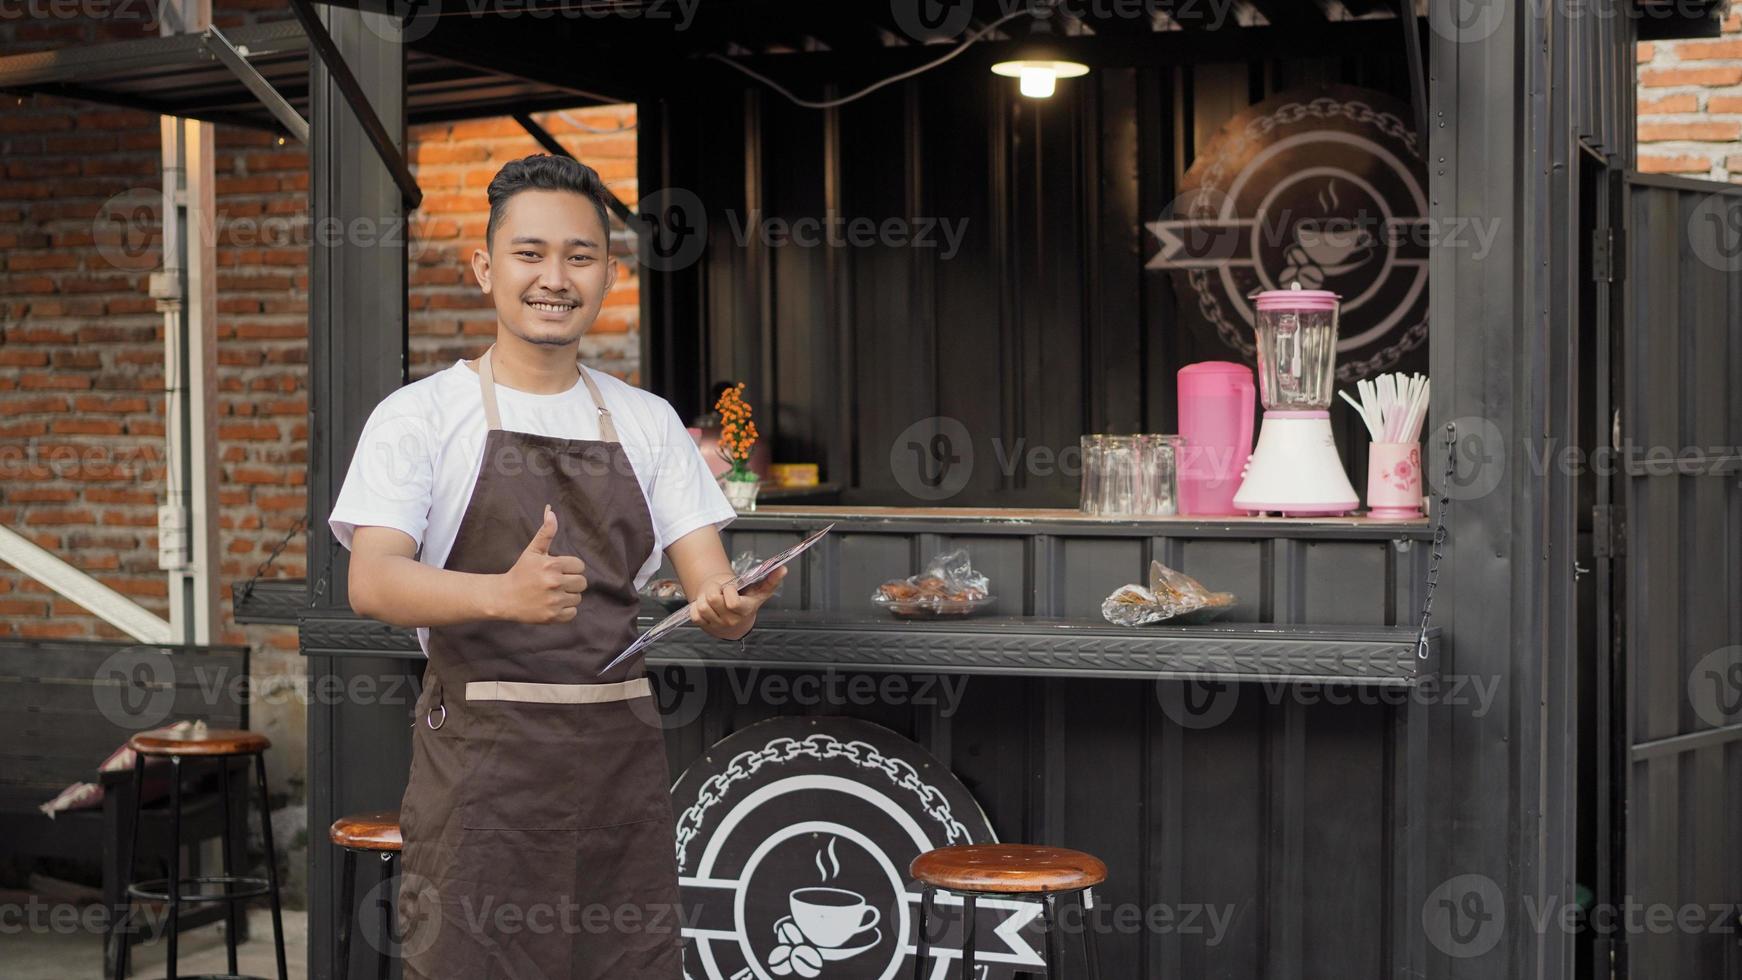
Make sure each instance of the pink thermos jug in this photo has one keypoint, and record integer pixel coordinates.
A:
(1217, 404)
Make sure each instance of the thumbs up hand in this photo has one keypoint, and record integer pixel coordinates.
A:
(541, 587)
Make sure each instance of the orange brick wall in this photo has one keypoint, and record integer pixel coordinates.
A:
(1690, 105)
(81, 352)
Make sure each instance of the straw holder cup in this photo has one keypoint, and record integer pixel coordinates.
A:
(1394, 480)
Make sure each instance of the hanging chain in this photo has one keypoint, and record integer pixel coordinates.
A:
(326, 570)
(277, 549)
(1440, 535)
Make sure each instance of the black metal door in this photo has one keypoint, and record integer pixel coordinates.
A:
(1673, 541)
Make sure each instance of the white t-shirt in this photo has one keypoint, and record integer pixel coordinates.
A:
(419, 456)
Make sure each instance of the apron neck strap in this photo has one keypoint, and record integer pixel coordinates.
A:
(493, 416)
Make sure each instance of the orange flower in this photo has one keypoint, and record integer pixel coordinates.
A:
(737, 432)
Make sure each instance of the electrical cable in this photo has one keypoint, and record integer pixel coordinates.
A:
(583, 127)
(891, 80)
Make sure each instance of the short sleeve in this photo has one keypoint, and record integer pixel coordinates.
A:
(683, 495)
(392, 476)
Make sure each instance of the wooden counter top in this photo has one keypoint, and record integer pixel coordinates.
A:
(1071, 521)
(1059, 514)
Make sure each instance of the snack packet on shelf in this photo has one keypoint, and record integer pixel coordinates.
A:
(668, 592)
(949, 586)
(1171, 595)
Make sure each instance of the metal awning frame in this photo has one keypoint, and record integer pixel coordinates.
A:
(220, 48)
(321, 44)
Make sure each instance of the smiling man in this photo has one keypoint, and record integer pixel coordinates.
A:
(509, 508)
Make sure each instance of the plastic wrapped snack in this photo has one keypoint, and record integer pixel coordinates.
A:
(1171, 595)
(668, 592)
(949, 586)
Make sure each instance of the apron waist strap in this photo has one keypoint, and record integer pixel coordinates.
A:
(534, 693)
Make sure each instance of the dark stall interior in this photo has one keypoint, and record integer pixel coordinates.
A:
(1038, 321)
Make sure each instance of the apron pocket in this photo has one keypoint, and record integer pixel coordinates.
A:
(567, 767)
(598, 904)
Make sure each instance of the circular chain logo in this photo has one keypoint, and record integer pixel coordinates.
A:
(793, 841)
(1197, 704)
(136, 688)
(933, 458)
(1465, 917)
(1322, 187)
(672, 229)
(128, 229)
(1715, 687)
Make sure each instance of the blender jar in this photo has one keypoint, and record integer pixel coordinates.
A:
(1297, 348)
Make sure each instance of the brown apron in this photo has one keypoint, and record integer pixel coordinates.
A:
(539, 839)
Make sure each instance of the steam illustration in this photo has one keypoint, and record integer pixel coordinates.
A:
(834, 869)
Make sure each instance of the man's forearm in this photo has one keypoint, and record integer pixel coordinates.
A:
(405, 592)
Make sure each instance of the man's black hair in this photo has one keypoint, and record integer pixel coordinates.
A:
(542, 172)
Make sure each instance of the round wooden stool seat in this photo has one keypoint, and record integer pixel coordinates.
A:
(216, 742)
(368, 831)
(1008, 868)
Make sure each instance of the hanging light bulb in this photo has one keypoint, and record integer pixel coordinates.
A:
(1037, 83)
(1038, 79)
(1038, 64)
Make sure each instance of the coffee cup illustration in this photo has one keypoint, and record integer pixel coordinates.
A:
(832, 917)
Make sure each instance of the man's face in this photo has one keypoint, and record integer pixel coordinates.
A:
(548, 268)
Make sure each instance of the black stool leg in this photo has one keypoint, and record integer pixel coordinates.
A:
(174, 888)
(384, 962)
(1089, 952)
(347, 898)
(271, 865)
(922, 945)
(968, 917)
(123, 923)
(230, 934)
(1050, 952)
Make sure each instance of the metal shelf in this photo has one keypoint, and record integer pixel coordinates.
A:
(1361, 655)
(273, 602)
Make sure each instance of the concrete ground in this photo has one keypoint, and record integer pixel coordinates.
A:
(65, 954)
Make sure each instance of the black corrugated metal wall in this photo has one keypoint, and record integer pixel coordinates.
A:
(1680, 387)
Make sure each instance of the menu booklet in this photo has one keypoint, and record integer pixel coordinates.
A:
(764, 569)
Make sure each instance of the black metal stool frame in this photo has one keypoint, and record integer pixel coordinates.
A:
(172, 884)
(347, 895)
(970, 901)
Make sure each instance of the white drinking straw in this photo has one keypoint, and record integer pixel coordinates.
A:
(1393, 406)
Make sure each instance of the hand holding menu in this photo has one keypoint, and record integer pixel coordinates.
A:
(764, 569)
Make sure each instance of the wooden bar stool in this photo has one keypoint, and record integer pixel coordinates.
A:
(1027, 871)
(221, 746)
(375, 833)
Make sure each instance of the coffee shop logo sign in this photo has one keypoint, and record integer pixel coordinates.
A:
(793, 841)
(1321, 187)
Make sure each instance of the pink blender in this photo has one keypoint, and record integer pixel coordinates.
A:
(1216, 403)
(1295, 469)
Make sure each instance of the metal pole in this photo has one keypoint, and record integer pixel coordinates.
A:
(185, 290)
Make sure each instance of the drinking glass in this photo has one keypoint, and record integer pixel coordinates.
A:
(1121, 485)
(1158, 464)
(1092, 446)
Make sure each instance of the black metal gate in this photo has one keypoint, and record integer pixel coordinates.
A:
(1674, 536)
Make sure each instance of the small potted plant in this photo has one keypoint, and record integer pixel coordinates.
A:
(737, 438)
